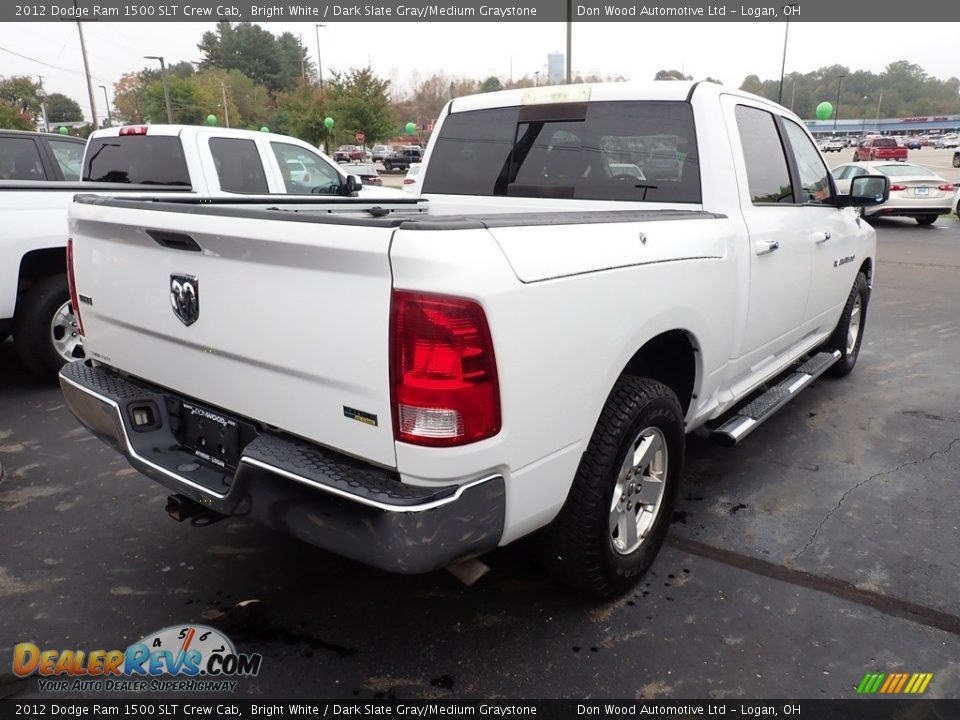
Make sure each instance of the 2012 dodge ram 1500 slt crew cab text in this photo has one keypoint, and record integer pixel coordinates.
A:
(523, 350)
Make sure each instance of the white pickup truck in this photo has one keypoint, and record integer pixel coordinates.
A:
(201, 161)
(524, 349)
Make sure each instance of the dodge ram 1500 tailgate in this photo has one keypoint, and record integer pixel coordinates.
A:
(281, 317)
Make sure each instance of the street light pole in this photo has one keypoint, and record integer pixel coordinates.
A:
(86, 72)
(163, 79)
(569, 40)
(836, 112)
(877, 121)
(783, 64)
(319, 66)
(107, 98)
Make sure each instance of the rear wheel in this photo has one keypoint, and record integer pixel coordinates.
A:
(45, 329)
(956, 160)
(848, 335)
(926, 219)
(616, 517)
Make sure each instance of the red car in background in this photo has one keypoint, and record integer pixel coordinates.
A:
(880, 148)
(348, 153)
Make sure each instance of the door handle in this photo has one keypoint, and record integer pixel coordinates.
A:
(765, 247)
(821, 237)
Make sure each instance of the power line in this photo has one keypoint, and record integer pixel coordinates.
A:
(49, 65)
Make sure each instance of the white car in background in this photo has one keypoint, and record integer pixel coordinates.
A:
(947, 141)
(411, 182)
(914, 191)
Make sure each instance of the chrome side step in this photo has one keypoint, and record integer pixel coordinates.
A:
(750, 416)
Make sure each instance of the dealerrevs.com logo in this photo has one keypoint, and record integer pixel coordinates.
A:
(182, 658)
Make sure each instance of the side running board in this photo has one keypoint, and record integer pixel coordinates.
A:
(750, 416)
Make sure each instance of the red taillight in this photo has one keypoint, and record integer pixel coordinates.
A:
(443, 371)
(895, 188)
(72, 284)
(134, 130)
(408, 181)
(947, 187)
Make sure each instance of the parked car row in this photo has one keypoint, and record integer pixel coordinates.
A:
(915, 191)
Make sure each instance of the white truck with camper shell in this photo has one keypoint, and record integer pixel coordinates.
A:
(200, 161)
(522, 349)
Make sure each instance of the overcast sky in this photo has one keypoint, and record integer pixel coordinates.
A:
(727, 51)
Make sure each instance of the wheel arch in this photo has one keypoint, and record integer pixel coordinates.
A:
(39, 264)
(673, 358)
(866, 267)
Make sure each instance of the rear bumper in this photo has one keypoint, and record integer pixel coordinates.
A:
(322, 497)
(942, 208)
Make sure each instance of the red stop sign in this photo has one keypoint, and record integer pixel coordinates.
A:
(361, 137)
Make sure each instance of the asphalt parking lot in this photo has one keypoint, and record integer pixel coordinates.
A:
(823, 547)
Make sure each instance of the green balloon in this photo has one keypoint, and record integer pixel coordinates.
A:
(328, 122)
(211, 119)
(264, 129)
(824, 111)
(64, 131)
(411, 128)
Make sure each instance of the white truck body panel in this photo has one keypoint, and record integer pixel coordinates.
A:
(569, 304)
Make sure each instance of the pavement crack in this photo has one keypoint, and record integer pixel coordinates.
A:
(860, 484)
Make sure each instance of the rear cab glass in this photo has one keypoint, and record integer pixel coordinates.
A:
(616, 150)
(884, 142)
(138, 159)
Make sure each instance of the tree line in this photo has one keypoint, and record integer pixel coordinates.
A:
(250, 78)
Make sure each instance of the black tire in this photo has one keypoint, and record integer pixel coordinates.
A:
(578, 547)
(31, 326)
(388, 167)
(926, 219)
(956, 160)
(838, 340)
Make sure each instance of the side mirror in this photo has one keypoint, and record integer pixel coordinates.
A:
(868, 190)
(352, 185)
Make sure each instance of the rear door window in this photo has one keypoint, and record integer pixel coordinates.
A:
(630, 151)
(20, 159)
(238, 165)
(139, 159)
(768, 176)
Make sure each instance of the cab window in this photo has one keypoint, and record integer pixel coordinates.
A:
(238, 166)
(305, 172)
(814, 176)
(767, 174)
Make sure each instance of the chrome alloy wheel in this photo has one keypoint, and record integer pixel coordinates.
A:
(65, 334)
(853, 327)
(638, 495)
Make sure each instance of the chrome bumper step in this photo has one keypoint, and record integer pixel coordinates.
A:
(746, 419)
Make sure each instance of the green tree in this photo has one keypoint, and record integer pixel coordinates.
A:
(358, 102)
(491, 84)
(20, 93)
(671, 75)
(60, 108)
(13, 119)
(278, 63)
(301, 113)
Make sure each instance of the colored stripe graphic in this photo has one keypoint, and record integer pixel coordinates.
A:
(894, 683)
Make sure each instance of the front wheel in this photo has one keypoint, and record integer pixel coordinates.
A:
(848, 335)
(619, 508)
(926, 219)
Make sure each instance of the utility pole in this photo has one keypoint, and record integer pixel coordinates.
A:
(877, 121)
(836, 110)
(319, 66)
(86, 71)
(569, 40)
(303, 66)
(107, 98)
(226, 111)
(163, 79)
(42, 96)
